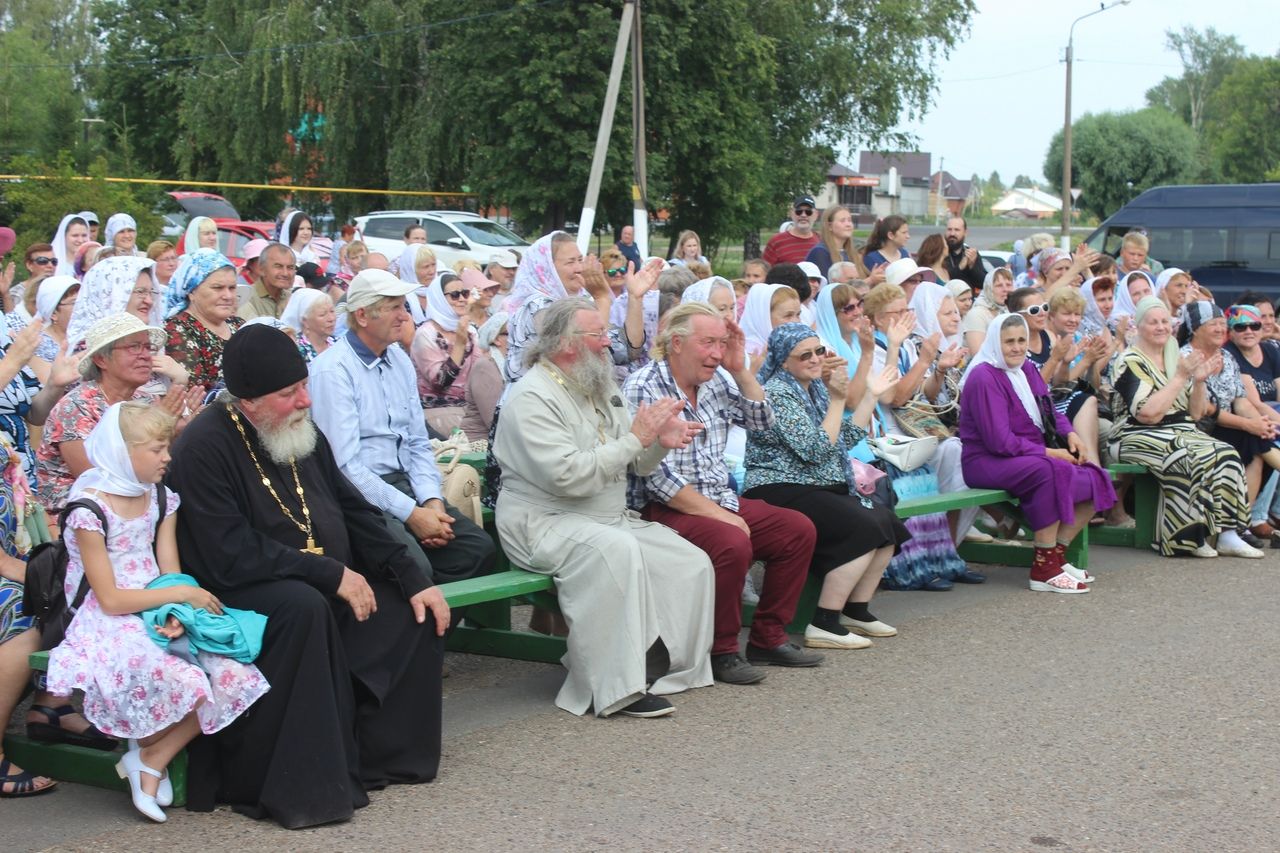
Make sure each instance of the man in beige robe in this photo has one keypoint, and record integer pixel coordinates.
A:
(565, 442)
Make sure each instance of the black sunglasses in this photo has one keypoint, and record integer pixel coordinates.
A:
(851, 307)
(804, 211)
(616, 271)
(41, 260)
(1240, 327)
(458, 294)
(806, 356)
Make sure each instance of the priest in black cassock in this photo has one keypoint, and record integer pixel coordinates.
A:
(354, 639)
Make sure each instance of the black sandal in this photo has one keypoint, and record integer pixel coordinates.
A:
(24, 783)
(51, 731)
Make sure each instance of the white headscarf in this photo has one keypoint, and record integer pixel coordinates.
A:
(700, 291)
(926, 302)
(991, 353)
(304, 254)
(757, 320)
(489, 333)
(112, 472)
(1163, 279)
(536, 275)
(106, 290)
(1124, 306)
(1093, 322)
(299, 305)
(117, 223)
(66, 263)
(191, 240)
(52, 289)
(407, 270)
(439, 309)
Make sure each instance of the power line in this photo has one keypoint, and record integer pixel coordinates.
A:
(283, 48)
(1018, 73)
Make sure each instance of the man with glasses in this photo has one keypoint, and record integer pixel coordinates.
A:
(701, 361)
(364, 394)
(277, 266)
(792, 244)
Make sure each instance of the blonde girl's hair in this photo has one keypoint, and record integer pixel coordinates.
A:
(143, 422)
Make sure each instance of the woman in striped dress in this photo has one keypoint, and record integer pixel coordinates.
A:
(1159, 395)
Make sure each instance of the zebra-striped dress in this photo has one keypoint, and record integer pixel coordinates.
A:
(1202, 485)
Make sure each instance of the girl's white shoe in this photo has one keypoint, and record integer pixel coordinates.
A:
(131, 767)
(164, 794)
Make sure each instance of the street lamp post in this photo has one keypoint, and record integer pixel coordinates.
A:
(1066, 127)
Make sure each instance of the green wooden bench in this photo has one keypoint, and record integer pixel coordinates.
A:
(1146, 499)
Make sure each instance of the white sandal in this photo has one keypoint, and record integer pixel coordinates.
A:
(1081, 575)
(131, 767)
(1061, 582)
(164, 794)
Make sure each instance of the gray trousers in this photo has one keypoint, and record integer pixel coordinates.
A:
(469, 554)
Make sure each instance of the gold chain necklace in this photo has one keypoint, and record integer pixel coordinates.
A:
(311, 548)
(564, 383)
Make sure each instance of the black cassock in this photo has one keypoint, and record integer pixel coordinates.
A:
(353, 705)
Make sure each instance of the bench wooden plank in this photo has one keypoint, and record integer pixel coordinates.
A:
(496, 587)
(952, 500)
(519, 645)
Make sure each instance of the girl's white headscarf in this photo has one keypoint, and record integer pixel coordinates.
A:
(757, 321)
(306, 253)
(52, 289)
(439, 309)
(299, 305)
(191, 240)
(407, 270)
(112, 472)
(117, 223)
(926, 302)
(66, 262)
(991, 353)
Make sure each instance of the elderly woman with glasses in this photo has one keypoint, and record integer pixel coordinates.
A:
(115, 365)
(443, 352)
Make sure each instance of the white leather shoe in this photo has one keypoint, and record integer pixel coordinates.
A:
(1244, 549)
(820, 638)
(131, 767)
(164, 794)
(1206, 550)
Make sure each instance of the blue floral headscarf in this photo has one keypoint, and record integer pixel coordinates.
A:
(194, 268)
(782, 341)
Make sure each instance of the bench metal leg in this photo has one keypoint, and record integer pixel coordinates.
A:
(519, 645)
(85, 766)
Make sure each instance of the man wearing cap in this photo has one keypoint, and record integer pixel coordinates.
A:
(366, 403)
(792, 245)
(277, 266)
(502, 269)
(354, 639)
(91, 219)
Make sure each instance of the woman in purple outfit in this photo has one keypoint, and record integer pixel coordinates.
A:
(1005, 413)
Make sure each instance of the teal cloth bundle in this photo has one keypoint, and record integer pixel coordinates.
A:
(236, 634)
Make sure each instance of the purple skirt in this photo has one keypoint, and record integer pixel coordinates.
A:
(1047, 489)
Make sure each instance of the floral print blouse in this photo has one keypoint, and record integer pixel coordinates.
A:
(795, 449)
(196, 348)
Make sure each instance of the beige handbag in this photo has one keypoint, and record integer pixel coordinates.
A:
(460, 483)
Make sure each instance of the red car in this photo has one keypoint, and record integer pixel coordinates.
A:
(233, 232)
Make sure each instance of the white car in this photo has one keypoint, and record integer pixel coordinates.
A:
(451, 234)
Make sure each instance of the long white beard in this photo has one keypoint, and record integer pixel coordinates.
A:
(295, 439)
(593, 374)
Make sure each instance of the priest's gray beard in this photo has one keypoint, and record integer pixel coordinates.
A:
(592, 373)
(294, 439)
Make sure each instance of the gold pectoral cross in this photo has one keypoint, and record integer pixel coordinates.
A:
(312, 548)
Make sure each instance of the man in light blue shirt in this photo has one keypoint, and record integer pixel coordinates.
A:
(365, 401)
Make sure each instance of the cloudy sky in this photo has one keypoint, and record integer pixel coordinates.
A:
(1000, 96)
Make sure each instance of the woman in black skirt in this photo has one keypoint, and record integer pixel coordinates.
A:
(802, 463)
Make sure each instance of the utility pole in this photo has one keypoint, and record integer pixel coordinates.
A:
(587, 221)
(1066, 126)
(640, 184)
(937, 205)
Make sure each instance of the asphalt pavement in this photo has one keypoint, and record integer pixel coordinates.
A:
(993, 236)
(1140, 717)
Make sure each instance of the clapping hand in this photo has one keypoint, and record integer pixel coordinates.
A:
(183, 404)
(952, 356)
(735, 349)
(876, 276)
(837, 381)
(970, 256)
(1064, 348)
(1208, 367)
(641, 282)
(866, 334)
(660, 421)
(24, 342)
(880, 384)
(901, 328)
(832, 364)
(65, 368)
(929, 347)
(1189, 365)
(6, 278)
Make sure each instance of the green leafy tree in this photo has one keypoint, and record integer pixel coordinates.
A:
(1244, 138)
(1115, 156)
(38, 206)
(1207, 58)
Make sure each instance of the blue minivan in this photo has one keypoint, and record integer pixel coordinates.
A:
(1226, 235)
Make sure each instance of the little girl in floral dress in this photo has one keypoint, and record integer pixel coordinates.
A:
(133, 688)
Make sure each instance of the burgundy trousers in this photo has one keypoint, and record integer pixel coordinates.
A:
(783, 538)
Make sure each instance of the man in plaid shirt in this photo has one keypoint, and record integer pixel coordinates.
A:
(700, 359)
